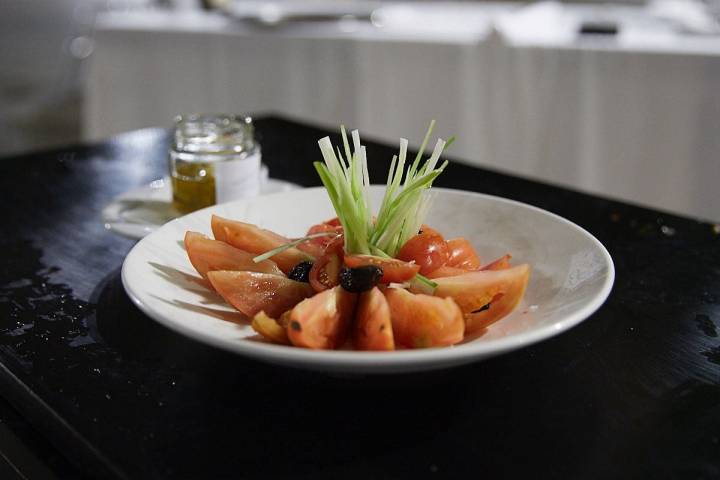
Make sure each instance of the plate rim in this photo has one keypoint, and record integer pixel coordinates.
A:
(115, 225)
(332, 359)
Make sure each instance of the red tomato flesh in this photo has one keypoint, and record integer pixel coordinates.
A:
(316, 246)
(254, 239)
(501, 289)
(427, 249)
(325, 272)
(373, 327)
(420, 321)
(207, 255)
(462, 254)
(446, 271)
(336, 246)
(501, 263)
(252, 292)
(394, 270)
(322, 321)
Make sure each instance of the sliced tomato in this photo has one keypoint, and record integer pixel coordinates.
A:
(420, 321)
(269, 328)
(462, 254)
(316, 246)
(373, 327)
(446, 271)
(224, 228)
(394, 270)
(427, 249)
(322, 322)
(207, 255)
(252, 292)
(501, 263)
(190, 236)
(336, 246)
(325, 272)
(311, 248)
(485, 296)
(254, 239)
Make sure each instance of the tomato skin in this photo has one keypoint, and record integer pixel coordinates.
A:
(502, 263)
(462, 254)
(336, 246)
(325, 272)
(502, 289)
(206, 254)
(269, 328)
(427, 249)
(394, 270)
(252, 292)
(311, 248)
(320, 243)
(422, 321)
(373, 328)
(446, 271)
(254, 239)
(323, 320)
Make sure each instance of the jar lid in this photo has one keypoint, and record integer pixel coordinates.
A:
(213, 133)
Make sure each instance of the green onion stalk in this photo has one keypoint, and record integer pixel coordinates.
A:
(404, 206)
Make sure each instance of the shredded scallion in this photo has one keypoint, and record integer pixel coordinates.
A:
(289, 245)
(404, 206)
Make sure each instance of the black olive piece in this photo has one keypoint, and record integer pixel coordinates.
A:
(301, 272)
(482, 309)
(360, 279)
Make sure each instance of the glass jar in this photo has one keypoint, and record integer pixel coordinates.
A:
(213, 158)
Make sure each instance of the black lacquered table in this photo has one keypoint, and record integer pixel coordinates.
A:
(92, 387)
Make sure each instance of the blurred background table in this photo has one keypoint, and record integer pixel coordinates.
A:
(94, 387)
(632, 114)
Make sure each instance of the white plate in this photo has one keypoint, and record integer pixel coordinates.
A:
(142, 210)
(572, 276)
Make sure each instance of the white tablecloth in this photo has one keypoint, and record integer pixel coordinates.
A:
(636, 118)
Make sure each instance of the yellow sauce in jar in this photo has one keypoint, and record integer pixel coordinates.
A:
(193, 186)
(210, 159)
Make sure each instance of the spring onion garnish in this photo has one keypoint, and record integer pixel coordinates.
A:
(404, 206)
(289, 245)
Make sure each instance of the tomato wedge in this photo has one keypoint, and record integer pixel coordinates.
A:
(316, 246)
(270, 328)
(254, 239)
(446, 271)
(501, 263)
(373, 327)
(394, 270)
(322, 321)
(485, 296)
(207, 255)
(337, 246)
(421, 321)
(462, 254)
(325, 272)
(252, 292)
(427, 249)
(333, 222)
(311, 248)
